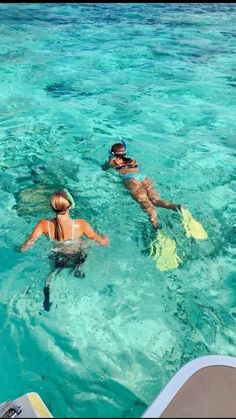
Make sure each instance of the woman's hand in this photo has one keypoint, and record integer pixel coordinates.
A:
(27, 244)
(37, 232)
(23, 247)
(105, 166)
(104, 241)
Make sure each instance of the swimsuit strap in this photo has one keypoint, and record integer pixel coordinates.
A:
(49, 233)
(73, 229)
(116, 165)
(131, 165)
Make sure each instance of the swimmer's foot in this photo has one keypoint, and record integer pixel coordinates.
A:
(179, 206)
(79, 274)
(156, 224)
(46, 303)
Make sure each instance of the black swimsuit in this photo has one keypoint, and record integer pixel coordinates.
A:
(125, 166)
(132, 175)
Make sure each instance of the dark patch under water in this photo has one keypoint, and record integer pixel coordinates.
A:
(64, 89)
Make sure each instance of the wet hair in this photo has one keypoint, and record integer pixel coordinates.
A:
(118, 149)
(60, 205)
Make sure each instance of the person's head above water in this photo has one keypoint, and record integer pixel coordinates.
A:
(61, 202)
(118, 149)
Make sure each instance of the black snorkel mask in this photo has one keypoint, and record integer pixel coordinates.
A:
(112, 154)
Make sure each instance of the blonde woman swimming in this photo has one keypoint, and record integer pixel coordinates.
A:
(64, 232)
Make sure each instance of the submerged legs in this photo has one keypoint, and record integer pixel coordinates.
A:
(46, 303)
(144, 193)
(155, 197)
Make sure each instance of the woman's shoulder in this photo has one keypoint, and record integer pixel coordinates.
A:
(45, 221)
(112, 162)
(80, 221)
(82, 224)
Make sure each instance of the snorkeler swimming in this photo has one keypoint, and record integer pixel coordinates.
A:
(139, 185)
(65, 234)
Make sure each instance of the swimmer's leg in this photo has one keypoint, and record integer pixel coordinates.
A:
(155, 197)
(139, 193)
(80, 258)
(78, 273)
(46, 303)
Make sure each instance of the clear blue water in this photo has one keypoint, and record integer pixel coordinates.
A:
(74, 77)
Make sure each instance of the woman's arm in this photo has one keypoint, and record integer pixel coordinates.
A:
(108, 164)
(36, 233)
(91, 234)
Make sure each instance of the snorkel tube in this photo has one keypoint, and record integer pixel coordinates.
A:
(124, 143)
(70, 198)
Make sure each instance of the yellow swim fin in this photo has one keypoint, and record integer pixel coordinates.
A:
(192, 227)
(163, 250)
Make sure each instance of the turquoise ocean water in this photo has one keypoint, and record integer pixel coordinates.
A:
(73, 78)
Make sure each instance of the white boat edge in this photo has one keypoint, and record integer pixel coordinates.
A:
(164, 398)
